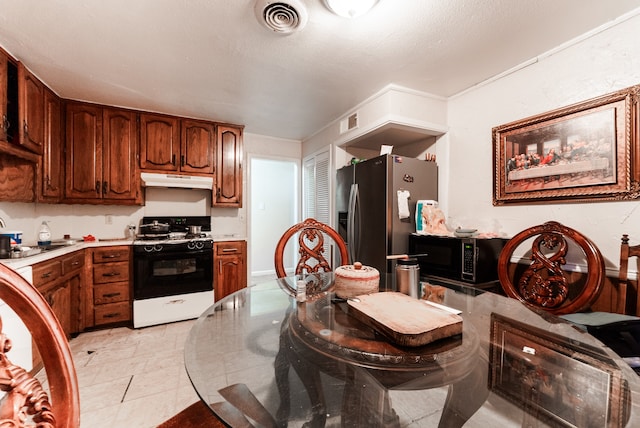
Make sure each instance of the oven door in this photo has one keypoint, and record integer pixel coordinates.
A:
(167, 273)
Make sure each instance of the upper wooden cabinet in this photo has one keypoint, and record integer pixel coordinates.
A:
(159, 142)
(101, 155)
(52, 170)
(228, 191)
(8, 99)
(198, 145)
(31, 105)
(177, 145)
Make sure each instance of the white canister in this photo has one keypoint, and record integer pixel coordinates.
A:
(15, 235)
(420, 223)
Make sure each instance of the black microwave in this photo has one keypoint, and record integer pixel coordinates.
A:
(472, 260)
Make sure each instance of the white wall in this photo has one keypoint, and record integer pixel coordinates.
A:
(601, 63)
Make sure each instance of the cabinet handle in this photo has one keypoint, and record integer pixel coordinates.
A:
(98, 187)
(109, 295)
(110, 256)
(46, 275)
(182, 160)
(50, 300)
(173, 160)
(229, 250)
(104, 187)
(5, 123)
(112, 315)
(75, 263)
(26, 128)
(110, 274)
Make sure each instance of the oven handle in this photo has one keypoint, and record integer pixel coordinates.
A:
(155, 255)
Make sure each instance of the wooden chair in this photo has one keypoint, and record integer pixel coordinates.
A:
(311, 241)
(543, 283)
(24, 394)
(627, 251)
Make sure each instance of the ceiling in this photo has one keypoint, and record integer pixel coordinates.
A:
(212, 58)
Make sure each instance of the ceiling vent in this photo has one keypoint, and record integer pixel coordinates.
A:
(281, 17)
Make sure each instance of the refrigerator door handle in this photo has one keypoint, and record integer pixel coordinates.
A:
(351, 219)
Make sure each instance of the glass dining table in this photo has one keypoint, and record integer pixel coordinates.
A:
(260, 357)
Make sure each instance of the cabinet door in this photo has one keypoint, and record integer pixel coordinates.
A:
(59, 299)
(8, 99)
(52, 161)
(4, 61)
(198, 145)
(31, 104)
(230, 271)
(228, 167)
(119, 153)
(84, 151)
(159, 142)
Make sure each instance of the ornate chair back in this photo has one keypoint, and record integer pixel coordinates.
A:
(311, 236)
(544, 282)
(25, 395)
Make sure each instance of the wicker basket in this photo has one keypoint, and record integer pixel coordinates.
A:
(355, 280)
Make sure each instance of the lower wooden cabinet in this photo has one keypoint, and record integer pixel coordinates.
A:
(110, 285)
(60, 282)
(230, 267)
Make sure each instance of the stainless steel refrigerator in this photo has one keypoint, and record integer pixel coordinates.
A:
(368, 210)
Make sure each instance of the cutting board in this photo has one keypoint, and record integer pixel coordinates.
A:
(405, 320)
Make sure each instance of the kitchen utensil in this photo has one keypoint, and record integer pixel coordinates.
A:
(405, 256)
(464, 233)
(408, 276)
(355, 280)
(5, 247)
(154, 227)
(195, 230)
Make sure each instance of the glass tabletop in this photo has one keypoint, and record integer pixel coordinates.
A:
(259, 355)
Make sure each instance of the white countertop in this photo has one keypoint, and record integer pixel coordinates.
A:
(46, 255)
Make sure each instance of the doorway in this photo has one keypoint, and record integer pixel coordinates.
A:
(273, 208)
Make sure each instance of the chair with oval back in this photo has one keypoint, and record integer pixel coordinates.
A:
(25, 396)
(311, 236)
(544, 283)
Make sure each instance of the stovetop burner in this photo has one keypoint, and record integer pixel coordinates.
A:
(172, 229)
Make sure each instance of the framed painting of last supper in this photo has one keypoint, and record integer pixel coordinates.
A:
(581, 152)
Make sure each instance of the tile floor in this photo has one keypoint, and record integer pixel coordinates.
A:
(132, 378)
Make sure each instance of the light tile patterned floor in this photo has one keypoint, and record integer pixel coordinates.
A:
(132, 378)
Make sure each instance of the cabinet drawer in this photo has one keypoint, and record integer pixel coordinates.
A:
(112, 272)
(231, 247)
(112, 312)
(111, 293)
(46, 272)
(111, 254)
(72, 262)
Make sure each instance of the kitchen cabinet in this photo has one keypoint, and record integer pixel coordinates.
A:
(8, 99)
(110, 300)
(197, 146)
(31, 110)
(51, 168)
(59, 280)
(228, 192)
(101, 152)
(159, 142)
(172, 144)
(230, 267)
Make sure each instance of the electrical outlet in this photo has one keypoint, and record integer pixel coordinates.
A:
(108, 219)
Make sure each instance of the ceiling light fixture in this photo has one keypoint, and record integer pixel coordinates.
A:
(350, 8)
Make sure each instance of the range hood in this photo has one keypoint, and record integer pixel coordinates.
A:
(174, 180)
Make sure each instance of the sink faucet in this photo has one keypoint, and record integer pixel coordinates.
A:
(2, 223)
